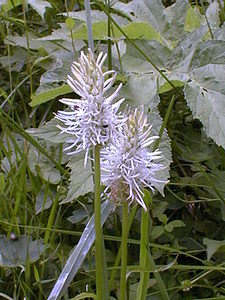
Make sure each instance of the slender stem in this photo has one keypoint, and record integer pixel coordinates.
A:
(89, 24)
(124, 251)
(98, 228)
(207, 21)
(109, 39)
(118, 257)
(143, 284)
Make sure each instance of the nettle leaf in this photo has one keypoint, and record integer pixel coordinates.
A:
(209, 52)
(39, 6)
(181, 56)
(205, 95)
(134, 62)
(40, 165)
(14, 253)
(212, 246)
(169, 22)
(50, 132)
(81, 178)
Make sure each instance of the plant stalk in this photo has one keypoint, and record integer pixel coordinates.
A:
(144, 276)
(98, 228)
(124, 251)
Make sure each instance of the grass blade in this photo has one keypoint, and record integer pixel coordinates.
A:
(78, 254)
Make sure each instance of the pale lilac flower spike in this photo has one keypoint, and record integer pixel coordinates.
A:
(93, 118)
(128, 164)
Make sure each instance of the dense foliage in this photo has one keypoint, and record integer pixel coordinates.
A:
(170, 57)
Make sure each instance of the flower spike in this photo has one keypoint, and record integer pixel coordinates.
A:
(92, 119)
(128, 164)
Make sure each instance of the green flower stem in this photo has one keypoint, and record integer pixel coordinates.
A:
(144, 276)
(98, 228)
(124, 251)
(146, 259)
(118, 257)
(89, 24)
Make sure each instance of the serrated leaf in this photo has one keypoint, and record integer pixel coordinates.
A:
(81, 178)
(181, 56)
(209, 52)
(50, 132)
(212, 246)
(169, 22)
(78, 254)
(41, 166)
(13, 253)
(205, 95)
(39, 6)
(134, 62)
(50, 94)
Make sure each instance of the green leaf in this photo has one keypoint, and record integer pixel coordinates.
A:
(173, 224)
(134, 62)
(13, 253)
(70, 23)
(177, 223)
(156, 232)
(168, 22)
(43, 201)
(50, 94)
(163, 218)
(39, 6)
(78, 254)
(205, 95)
(209, 52)
(193, 19)
(50, 132)
(134, 31)
(40, 165)
(81, 178)
(166, 87)
(212, 246)
(9, 4)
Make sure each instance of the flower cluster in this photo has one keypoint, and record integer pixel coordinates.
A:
(93, 118)
(128, 164)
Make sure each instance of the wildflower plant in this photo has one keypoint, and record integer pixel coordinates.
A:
(92, 120)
